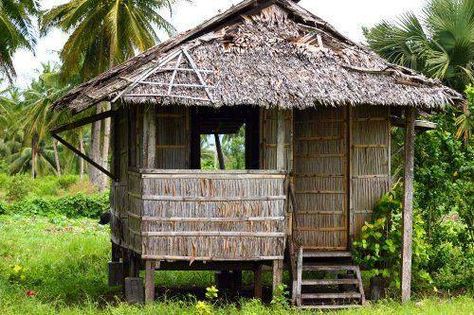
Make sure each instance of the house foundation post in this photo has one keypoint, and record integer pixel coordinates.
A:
(410, 114)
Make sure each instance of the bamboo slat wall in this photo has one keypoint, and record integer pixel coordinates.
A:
(198, 215)
(173, 138)
(370, 162)
(320, 165)
(268, 136)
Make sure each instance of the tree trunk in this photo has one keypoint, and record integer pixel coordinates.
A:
(94, 174)
(106, 145)
(81, 160)
(220, 154)
(33, 156)
(56, 157)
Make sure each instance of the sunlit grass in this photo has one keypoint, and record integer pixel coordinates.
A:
(59, 266)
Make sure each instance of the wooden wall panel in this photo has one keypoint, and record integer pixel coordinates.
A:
(320, 165)
(370, 150)
(173, 138)
(268, 136)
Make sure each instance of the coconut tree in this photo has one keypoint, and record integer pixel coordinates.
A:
(38, 118)
(439, 43)
(105, 33)
(16, 31)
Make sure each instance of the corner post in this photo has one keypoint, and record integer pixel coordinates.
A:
(410, 114)
(281, 165)
(150, 266)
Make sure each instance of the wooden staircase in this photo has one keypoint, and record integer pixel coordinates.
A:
(327, 280)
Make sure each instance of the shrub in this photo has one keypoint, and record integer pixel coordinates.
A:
(379, 248)
(18, 187)
(75, 206)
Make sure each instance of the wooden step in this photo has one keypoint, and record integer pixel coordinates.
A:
(329, 307)
(318, 267)
(322, 254)
(330, 281)
(325, 296)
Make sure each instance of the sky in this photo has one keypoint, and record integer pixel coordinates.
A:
(348, 16)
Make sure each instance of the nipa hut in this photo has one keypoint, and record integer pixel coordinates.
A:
(317, 110)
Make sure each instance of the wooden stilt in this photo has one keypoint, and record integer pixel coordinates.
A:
(257, 282)
(408, 204)
(277, 273)
(150, 266)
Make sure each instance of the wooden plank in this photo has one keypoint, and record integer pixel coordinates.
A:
(205, 199)
(326, 296)
(280, 141)
(299, 275)
(327, 282)
(209, 233)
(211, 258)
(408, 204)
(315, 267)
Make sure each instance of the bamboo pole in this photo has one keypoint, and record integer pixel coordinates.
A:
(150, 266)
(408, 204)
(220, 154)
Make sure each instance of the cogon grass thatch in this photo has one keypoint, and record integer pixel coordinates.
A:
(269, 54)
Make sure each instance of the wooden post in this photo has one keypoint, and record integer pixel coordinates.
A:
(280, 140)
(150, 266)
(277, 274)
(257, 282)
(410, 114)
(149, 137)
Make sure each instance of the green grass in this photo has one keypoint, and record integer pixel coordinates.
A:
(63, 264)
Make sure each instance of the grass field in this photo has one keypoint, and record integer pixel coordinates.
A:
(58, 265)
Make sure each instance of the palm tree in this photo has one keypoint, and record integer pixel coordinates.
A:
(105, 33)
(439, 43)
(16, 31)
(38, 116)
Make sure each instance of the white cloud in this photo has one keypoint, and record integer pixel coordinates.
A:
(347, 16)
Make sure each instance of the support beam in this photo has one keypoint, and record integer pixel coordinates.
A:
(277, 274)
(408, 204)
(149, 137)
(257, 282)
(150, 266)
(281, 165)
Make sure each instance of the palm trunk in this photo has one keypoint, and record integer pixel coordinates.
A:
(106, 145)
(56, 157)
(81, 160)
(94, 174)
(33, 156)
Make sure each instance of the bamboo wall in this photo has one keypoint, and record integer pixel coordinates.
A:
(173, 138)
(268, 139)
(198, 215)
(320, 159)
(370, 167)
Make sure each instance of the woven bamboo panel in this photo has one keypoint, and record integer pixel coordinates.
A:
(370, 162)
(320, 166)
(208, 215)
(268, 135)
(172, 135)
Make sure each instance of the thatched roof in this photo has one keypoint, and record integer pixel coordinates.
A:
(270, 53)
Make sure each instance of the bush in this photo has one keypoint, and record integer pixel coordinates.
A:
(19, 187)
(379, 248)
(76, 206)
